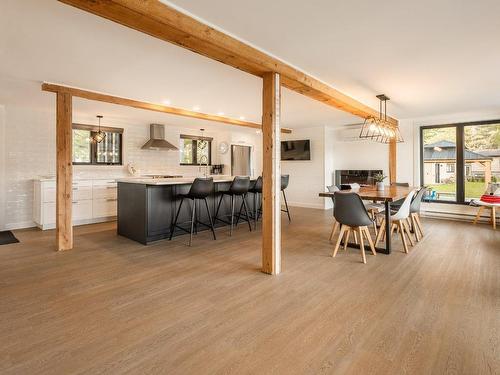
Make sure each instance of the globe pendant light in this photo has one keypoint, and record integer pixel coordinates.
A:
(100, 135)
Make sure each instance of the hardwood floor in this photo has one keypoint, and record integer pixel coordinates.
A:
(114, 306)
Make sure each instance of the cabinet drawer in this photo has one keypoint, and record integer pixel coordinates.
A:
(104, 192)
(104, 207)
(48, 194)
(82, 210)
(82, 193)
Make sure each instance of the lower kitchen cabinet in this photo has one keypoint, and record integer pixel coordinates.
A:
(94, 201)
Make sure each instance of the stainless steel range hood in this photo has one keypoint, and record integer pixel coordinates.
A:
(157, 139)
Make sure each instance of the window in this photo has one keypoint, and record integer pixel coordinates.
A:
(195, 150)
(86, 152)
(459, 161)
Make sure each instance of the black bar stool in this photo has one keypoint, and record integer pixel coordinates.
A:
(200, 190)
(256, 189)
(285, 179)
(239, 187)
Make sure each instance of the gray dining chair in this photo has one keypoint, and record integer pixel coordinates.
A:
(350, 213)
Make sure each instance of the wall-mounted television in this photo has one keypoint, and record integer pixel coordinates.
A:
(296, 150)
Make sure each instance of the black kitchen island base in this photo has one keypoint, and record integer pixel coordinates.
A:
(146, 211)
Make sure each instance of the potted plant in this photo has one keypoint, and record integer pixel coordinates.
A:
(379, 179)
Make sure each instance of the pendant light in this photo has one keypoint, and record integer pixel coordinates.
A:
(380, 129)
(100, 135)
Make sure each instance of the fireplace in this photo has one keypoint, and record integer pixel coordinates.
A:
(360, 176)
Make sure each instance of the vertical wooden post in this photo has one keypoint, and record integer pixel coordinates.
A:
(271, 174)
(64, 167)
(392, 161)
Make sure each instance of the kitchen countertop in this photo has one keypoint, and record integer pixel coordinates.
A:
(170, 181)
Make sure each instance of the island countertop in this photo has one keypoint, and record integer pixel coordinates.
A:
(171, 181)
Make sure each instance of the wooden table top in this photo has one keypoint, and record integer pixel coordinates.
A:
(389, 194)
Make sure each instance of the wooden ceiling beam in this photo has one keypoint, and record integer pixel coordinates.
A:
(166, 23)
(100, 97)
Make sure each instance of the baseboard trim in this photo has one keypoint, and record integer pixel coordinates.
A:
(306, 205)
(20, 225)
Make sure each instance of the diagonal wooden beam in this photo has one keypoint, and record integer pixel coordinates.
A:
(164, 22)
(91, 95)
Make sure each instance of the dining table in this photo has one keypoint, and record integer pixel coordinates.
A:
(390, 194)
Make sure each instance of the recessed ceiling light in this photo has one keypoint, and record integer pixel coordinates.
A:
(220, 113)
(196, 108)
(242, 117)
(166, 102)
(258, 131)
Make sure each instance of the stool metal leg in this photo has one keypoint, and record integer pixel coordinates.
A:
(286, 205)
(246, 212)
(232, 215)
(210, 218)
(172, 227)
(218, 207)
(193, 218)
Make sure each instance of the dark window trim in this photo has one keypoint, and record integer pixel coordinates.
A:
(193, 139)
(460, 162)
(93, 146)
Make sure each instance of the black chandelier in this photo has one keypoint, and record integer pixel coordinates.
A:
(380, 129)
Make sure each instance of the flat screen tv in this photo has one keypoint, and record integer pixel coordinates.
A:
(296, 150)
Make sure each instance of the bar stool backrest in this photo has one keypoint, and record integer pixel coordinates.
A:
(240, 185)
(285, 179)
(201, 187)
(257, 186)
(350, 210)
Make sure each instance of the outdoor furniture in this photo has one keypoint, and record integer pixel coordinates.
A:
(489, 206)
(351, 214)
(387, 196)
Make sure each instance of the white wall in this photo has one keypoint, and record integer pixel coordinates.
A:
(307, 177)
(2, 167)
(27, 139)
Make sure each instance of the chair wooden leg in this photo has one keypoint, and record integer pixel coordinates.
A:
(403, 238)
(347, 235)
(408, 233)
(380, 232)
(419, 225)
(337, 245)
(361, 244)
(356, 241)
(416, 231)
(334, 229)
(494, 217)
(481, 208)
(369, 238)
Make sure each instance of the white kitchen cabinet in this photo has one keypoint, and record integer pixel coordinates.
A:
(93, 201)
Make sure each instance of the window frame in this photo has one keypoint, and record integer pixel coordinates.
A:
(460, 160)
(93, 146)
(194, 139)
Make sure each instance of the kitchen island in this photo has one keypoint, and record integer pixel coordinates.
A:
(146, 207)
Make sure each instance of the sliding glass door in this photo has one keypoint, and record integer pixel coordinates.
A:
(458, 161)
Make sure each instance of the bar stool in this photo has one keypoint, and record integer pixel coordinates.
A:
(285, 179)
(200, 190)
(239, 187)
(256, 189)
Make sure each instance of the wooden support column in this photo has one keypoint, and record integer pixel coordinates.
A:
(64, 167)
(271, 174)
(392, 161)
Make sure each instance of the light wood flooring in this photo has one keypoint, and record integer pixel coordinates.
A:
(114, 306)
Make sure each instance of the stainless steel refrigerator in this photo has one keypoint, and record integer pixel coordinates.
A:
(241, 164)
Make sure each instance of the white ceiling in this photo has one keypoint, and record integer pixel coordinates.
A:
(430, 57)
(43, 40)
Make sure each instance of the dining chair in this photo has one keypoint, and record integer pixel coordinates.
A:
(333, 189)
(350, 213)
(399, 221)
(417, 227)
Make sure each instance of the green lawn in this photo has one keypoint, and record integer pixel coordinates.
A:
(472, 189)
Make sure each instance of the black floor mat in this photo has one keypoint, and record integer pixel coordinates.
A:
(7, 237)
